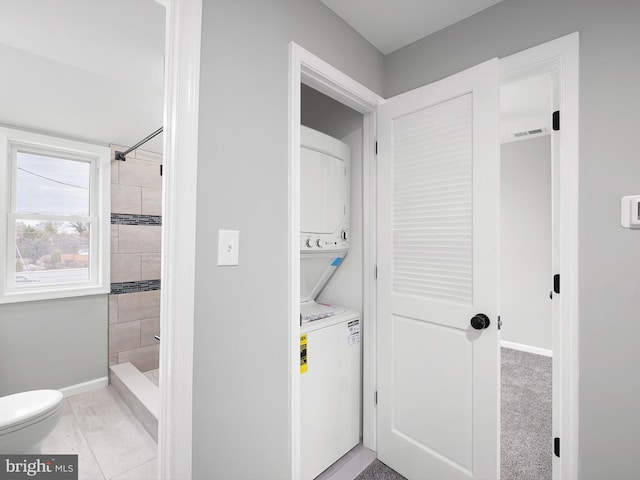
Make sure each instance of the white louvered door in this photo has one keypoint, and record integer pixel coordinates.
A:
(438, 377)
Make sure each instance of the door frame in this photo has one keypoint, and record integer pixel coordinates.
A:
(561, 56)
(305, 67)
(181, 102)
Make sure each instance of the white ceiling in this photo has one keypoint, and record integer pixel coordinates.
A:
(88, 69)
(391, 24)
(93, 69)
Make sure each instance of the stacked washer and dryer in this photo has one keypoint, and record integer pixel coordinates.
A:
(330, 335)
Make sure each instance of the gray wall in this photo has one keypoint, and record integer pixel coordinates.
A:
(241, 398)
(327, 115)
(525, 242)
(609, 168)
(52, 343)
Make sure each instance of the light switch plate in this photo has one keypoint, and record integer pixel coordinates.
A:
(228, 247)
(630, 211)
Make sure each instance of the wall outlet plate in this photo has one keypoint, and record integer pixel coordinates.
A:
(228, 247)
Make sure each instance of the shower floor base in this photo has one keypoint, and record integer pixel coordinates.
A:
(154, 376)
(140, 394)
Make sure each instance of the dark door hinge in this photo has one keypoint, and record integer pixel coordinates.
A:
(556, 120)
(556, 447)
(375, 272)
(499, 322)
(376, 148)
(556, 283)
(375, 397)
(161, 170)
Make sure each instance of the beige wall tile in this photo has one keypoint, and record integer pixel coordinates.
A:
(149, 156)
(125, 199)
(139, 305)
(143, 358)
(113, 359)
(114, 238)
(114, 170)
(150, 238)
(124, 336)
(140, 173)
(113, 309)
(148, 328)
(129, 239)
(151, 201)
(139, 238)
(150, 266)
(125, 267)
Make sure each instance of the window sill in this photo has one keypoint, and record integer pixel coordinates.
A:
(58, 293)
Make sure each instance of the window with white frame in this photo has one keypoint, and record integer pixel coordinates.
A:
(55, 217)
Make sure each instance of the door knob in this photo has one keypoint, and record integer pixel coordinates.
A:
(480, 321)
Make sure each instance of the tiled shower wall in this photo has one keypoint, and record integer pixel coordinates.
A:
(134, 303)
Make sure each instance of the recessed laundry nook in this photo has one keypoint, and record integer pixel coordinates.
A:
(331, 270)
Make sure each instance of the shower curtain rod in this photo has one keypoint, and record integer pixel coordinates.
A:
(122, 156)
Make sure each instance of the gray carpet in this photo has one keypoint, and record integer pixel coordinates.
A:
(379, 471)
(526, 439)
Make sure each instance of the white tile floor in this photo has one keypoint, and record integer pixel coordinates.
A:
(110, 443)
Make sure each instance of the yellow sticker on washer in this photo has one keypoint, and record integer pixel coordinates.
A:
(303, 353)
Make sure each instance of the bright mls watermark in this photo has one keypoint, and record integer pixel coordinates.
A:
(51, 467)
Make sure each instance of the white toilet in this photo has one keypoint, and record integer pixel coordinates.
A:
(27, 418)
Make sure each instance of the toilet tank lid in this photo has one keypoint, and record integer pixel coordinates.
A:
(19, 407)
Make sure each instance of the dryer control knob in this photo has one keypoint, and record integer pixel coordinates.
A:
(309, 243)
(319, 243)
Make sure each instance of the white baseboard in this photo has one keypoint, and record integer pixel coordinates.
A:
(94, 384)
(527, 348)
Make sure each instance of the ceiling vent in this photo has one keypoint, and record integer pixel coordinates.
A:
(526, 133)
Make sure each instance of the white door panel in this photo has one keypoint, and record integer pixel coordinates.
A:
(438, 378)
(451, 439)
